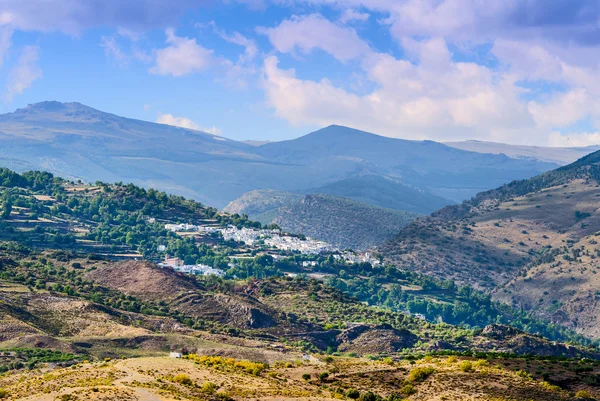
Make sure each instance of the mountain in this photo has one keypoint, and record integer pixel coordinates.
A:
(429, 166)
(343, 222)
(557, 155)
(79, 142)
(383, 192)
(530, 243)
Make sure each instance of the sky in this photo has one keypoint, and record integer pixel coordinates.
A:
(513, 71)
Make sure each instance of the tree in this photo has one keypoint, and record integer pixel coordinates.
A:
(7, 209)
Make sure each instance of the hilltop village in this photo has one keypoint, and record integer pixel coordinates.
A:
(271, 241)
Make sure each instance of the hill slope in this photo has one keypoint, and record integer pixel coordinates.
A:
(530, 242)
(342, 222)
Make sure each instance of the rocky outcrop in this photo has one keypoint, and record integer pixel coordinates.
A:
(500, 331)
(374, 339)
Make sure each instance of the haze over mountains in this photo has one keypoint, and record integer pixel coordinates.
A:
(77, 141)
(558, 155)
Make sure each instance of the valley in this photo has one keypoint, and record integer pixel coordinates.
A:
(78, 278)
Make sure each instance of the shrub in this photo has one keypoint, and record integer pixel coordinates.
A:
(182, 379)
(306, 376)
(3, 393)
(369, 396)
(323, 376)
(208, 387)
(408, 390)
(582, 394)
(353, 394)
(420, 374)
(524, 374)
(480, 363)
(451, 359)
(466, 366)
(550, 387)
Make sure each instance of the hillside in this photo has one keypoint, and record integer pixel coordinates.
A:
(342, 222)
(55, 329)
(78, 142)
(529, 243)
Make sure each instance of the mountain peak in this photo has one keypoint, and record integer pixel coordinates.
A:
(55, 107)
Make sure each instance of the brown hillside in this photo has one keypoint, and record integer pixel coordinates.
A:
(530, 243)
(143, 279)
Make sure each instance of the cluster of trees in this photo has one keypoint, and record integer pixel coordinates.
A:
(438, 300)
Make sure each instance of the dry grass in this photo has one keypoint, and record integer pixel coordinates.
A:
(199, 378)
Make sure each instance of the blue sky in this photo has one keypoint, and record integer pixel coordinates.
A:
(523, 71)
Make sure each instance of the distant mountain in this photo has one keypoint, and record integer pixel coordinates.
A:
(384, 192)
(256, 143)
(557, 155)
(342, 222)
(79, 142)
(433, 167)
(531, 243)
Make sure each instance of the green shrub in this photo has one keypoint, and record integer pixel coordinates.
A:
(408, 390)
(420, 374)
(208, 387)
(353, 394)
(182, 379)
(466, 366)
(369, 396)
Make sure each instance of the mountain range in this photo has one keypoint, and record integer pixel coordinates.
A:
(77, 141)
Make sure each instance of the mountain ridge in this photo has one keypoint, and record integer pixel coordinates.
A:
(79, 142)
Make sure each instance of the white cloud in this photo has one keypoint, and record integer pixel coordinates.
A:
(309, 32)
(113, 50)
(183, 56)
(182, 122)
(350, 15)
(561, 110)
(532, 81)
(433, 97)
(24, 73)
(249, 45)
(185, 122)
(574, 139)
(212, 130)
